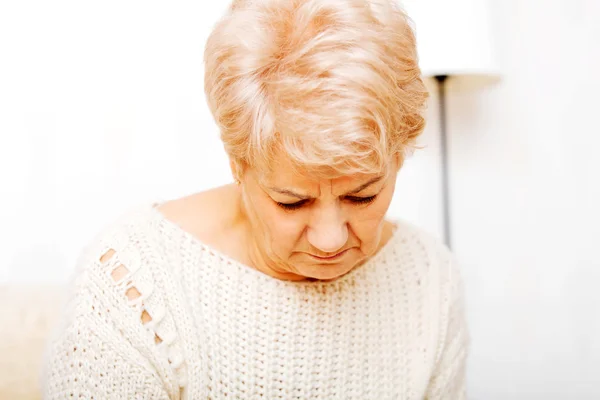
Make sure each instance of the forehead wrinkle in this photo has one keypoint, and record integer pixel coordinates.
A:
(288, 191)
(366, 184)
(299, 194)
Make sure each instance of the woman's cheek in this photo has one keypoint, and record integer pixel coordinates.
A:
(368, 221)
(373, 213)
(284, 227)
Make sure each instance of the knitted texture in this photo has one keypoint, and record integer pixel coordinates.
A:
(156, 314)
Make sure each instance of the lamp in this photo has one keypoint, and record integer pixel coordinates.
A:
(453, 39)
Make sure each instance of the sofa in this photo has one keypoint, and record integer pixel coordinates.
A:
(28, 314)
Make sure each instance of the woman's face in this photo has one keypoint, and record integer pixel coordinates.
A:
(313, 227)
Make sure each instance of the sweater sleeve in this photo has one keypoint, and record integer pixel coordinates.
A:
(89, 360)
(102, 349)
(448, 379)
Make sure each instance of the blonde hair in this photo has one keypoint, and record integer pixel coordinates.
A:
(333, 83)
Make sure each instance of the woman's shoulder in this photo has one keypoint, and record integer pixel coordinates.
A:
(141, 232)
(442, 281)
(407, 235)
(118, 251)
(127, 235)
(426, 249)
(116, 302)
(120, 267)
(147, 238)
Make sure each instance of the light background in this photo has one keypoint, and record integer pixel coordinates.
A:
(102, 109)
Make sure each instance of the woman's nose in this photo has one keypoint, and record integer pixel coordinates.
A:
(328, 235)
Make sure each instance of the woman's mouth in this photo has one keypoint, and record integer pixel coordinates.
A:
(329, 257)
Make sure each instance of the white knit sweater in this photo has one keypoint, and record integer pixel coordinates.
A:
(155, 314)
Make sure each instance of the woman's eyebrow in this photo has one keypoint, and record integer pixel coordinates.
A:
(300, 196)
(365, 185)
(290, 193)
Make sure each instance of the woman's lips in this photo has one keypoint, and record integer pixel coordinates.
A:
(329, 258)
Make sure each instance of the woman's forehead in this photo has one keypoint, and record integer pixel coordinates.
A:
(282, 171)
(299, 178)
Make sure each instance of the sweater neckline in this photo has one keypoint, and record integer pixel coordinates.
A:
(368, 267)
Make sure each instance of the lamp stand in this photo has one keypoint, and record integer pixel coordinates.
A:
(441, 81)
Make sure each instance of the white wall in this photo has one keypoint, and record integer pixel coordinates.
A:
(525, 204)
(101, 108)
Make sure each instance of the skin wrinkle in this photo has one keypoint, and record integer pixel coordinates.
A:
(291, 192)
(280, 242)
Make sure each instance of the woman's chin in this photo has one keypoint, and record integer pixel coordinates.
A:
(326, 271)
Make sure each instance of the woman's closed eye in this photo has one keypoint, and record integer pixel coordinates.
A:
(292, 206)
(352, 199)
(361, 200)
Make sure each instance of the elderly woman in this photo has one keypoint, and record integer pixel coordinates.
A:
(290, 283)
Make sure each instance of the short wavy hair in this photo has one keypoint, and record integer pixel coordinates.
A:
(333, 83)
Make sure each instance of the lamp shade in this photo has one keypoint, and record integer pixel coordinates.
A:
(453, 37)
